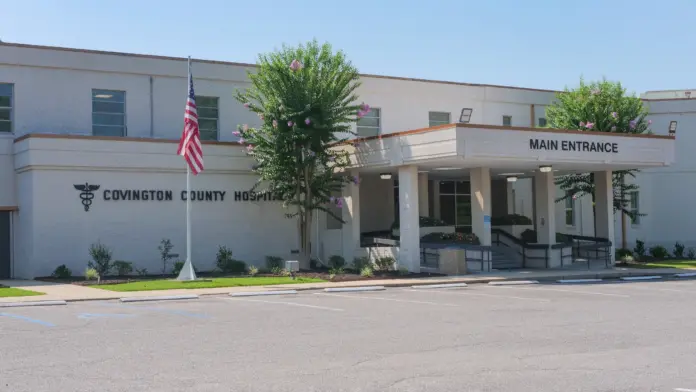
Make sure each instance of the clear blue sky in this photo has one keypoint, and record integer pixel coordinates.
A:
(647, 45)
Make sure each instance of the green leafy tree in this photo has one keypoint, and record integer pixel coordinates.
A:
(306, 101)
(600, 107)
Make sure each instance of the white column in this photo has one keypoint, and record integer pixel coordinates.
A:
(351, 217)
(544, 203)
(481, 204)
(423, 196)
(604, 208)
(409, 230)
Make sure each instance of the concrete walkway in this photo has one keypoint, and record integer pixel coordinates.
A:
(70, 292)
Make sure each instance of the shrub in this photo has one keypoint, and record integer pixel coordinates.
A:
(91, 274)
(252, 270)
(273, 262)
(460, 238)
(337, 261)
(510, 220)
(62, 272)
(276, 270)
(403, 271)
(101, 259)
(123, 268)
(659, 252)
(333, 272)
(639, 250)
(225, 263)
(626, 258)
(622, 252)
(679, 250)
(361, 262)
(384, 263)
(366, 271)
(691, 254)
(141, 271)
(530, 236)
(166, 254)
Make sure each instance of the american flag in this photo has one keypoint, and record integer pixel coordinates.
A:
(190, 143)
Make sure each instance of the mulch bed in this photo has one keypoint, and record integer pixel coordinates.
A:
(324, 275)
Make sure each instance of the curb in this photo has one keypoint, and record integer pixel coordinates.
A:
(568, 281)
(685, 275)
(345, 289)
(31, 303)
(513, 283)
(439, 286)
(259, 293)
(649, 277)
(159, 298)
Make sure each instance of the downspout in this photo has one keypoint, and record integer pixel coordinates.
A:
(152, 108)
(531, 116)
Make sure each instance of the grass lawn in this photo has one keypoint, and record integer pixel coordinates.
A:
(163, 284)
(683, 264)
(12, 292)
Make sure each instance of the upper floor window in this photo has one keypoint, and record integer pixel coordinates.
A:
(6, 91)
(208, 117)
(507, 121)
(542, 122)
(108, 113)
(370, 124)
(438, 118)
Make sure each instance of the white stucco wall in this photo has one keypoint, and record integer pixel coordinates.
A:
(8, 195)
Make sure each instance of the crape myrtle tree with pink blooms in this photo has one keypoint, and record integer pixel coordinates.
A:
(600, 107)
(306, 102)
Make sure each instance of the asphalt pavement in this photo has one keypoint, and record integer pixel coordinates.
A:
(628, 336)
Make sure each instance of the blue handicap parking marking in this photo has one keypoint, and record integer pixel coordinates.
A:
(89, 316)
(27, 319)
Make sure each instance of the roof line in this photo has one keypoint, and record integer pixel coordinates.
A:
(159, 57)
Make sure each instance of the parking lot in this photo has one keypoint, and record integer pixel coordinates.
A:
(616, 336)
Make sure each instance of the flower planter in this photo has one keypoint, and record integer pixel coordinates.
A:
(428, 230)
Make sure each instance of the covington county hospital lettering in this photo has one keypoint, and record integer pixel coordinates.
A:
(570, 145)
(168, 195)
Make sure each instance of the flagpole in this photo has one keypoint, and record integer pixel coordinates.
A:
(187, 272)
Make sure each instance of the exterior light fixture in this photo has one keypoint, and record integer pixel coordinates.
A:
(672, 127)
(446, 168)
(385, 176)
(465, 117)
(544, 169)
(511, 179)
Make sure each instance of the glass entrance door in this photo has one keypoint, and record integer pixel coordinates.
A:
(455, 204)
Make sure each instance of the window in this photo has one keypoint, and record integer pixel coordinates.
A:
(208, 117)
(331, 222)
(507, 121)
(6, 91)
(633, 206)
(108, 113)
(397, 212)
(438, 118)
(370, 124)
(542, 122)
(455, 203)
(570, 209)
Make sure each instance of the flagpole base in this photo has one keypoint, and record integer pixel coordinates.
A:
(187, 272)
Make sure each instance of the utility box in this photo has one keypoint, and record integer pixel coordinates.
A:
(452, 261)
(292, 265)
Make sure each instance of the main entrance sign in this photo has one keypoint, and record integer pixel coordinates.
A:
(572, 145)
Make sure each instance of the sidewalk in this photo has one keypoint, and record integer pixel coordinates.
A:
(70, 292)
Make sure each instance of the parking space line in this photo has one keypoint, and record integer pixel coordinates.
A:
(568, 291)
(28, 319)
(468, 292)
(631, 286)
(286, 303)
(154, 309)
(387, 299)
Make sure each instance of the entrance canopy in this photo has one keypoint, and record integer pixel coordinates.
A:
(521, 151)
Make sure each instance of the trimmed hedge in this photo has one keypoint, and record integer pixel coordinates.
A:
(510, 220)
(424, 221)
(459, 238)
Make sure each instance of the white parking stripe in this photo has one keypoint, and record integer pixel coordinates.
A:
(286, 303)
(684, 390)
(480, 295)
(387, 299)
(569, 291)
(632, 287)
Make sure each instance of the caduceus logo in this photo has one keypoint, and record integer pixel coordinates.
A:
(86, 193)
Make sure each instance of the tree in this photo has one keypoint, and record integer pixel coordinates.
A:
(600, 107)
(305, 98)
